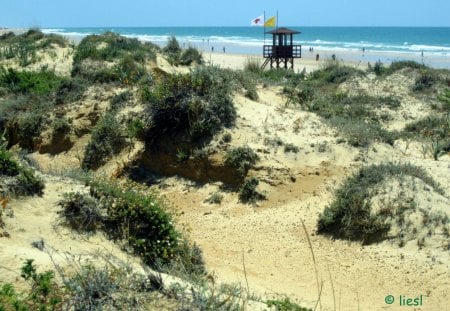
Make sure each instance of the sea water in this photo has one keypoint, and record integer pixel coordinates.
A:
(380, 41)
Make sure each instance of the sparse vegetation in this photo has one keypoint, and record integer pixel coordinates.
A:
(350, 216)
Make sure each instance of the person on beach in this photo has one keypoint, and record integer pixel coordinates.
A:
(212, 49)
(317, 57)
(224, 49)
(333, 57)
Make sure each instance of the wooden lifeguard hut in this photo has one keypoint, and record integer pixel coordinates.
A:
(282, 52)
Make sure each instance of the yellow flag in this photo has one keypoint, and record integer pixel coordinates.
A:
(270, 22)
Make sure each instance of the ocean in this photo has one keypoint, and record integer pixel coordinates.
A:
(387, 41)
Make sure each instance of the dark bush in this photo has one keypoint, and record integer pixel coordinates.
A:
(80, 212)
(248, 192)
(106, 141)
(70, 90)
(425, 81)
(241, 158)
(194, 106)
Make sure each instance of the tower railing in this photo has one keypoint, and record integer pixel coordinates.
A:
(284, 51)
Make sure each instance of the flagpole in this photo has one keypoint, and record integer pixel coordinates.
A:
(264, 27)
(277, 19)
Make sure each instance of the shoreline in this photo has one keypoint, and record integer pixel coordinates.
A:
(235, 58)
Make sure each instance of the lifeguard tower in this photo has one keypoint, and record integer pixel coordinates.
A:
(282, 52)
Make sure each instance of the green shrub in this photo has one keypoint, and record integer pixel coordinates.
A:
(189, 56)
(241, 158)
(349, 216)
(110, 46)
(172, 50)
(280, 75)
(194, 106)
(106, 141)
(42, 82)
(248, 192)
(80, 212)
(333, 72)
(140, 218)
(128, 71)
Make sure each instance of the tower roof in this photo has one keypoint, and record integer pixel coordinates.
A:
(283, 30)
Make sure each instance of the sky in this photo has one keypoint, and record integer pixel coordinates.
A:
(142, 13)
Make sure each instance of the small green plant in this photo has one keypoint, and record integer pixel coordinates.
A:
(248, 192)
(182, 155)
(44, 293)
(285, 305)
(226, 137)
(241, 158)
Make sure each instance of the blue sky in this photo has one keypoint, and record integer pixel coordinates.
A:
(78, 13)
